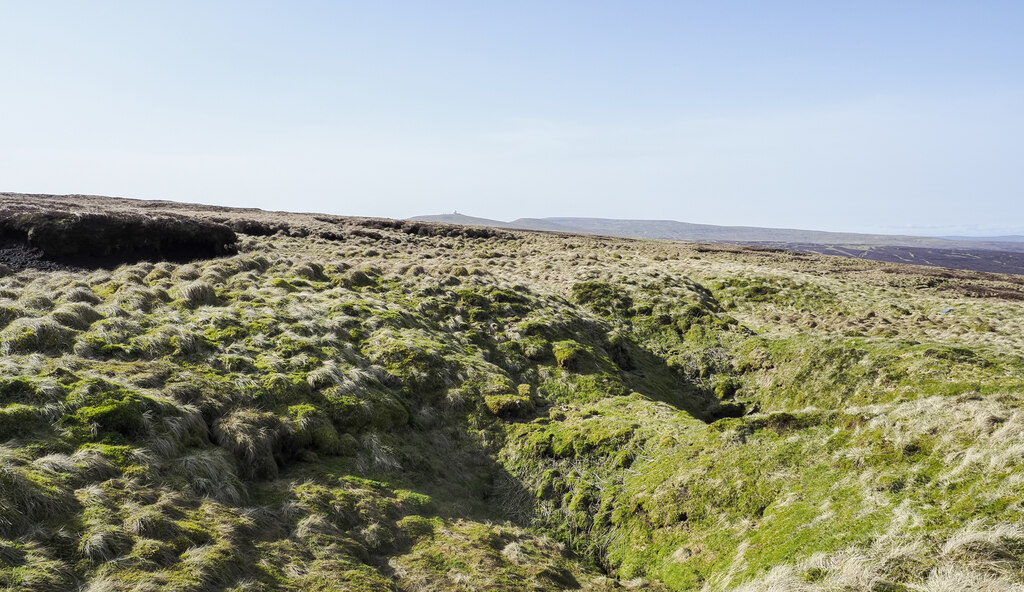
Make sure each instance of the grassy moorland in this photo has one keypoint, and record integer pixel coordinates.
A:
(998, 255)
(352, 404)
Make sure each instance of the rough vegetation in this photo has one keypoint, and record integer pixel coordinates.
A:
(351, 404)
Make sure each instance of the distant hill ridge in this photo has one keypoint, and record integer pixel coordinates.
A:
(685, 231)
(1002, 254)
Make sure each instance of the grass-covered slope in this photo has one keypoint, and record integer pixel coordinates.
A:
(372, 405)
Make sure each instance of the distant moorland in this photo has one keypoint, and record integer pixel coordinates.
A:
(1003, 254)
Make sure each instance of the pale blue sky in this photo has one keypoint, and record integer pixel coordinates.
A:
(889, 116)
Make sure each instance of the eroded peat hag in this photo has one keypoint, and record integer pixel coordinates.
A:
(359, 404)
(52, 235)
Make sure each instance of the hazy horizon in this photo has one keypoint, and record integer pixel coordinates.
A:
(912, 231)
(875, 118)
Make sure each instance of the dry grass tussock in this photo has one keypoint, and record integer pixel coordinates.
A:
(973, 558)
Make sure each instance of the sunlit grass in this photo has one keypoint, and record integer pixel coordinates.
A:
(353, 404)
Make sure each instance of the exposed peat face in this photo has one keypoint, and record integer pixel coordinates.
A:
(52, 240)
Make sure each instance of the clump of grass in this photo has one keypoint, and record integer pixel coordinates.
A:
(250, 262)
(32, 335)
(104, 543)
(37, 302)
(9, 312)
(311, 427)
(18, 420)
(973, 558)
(999, 549)
(212, 473)
(76, 315)
(153, 552)
(112, 336)
(55, 463)
(327, 375)
(31, 566)
(509, 406)
(82, 294)
(214, 566)
(26, 497)
(360, 278)
(569, 354)
(310, 271)
(376, 454)
(198, 293)
(92, 465)
(138, 299)
(253, 437)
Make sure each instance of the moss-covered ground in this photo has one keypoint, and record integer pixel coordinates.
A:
(353, 404)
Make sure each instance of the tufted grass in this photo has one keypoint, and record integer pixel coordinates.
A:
(359, 405)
